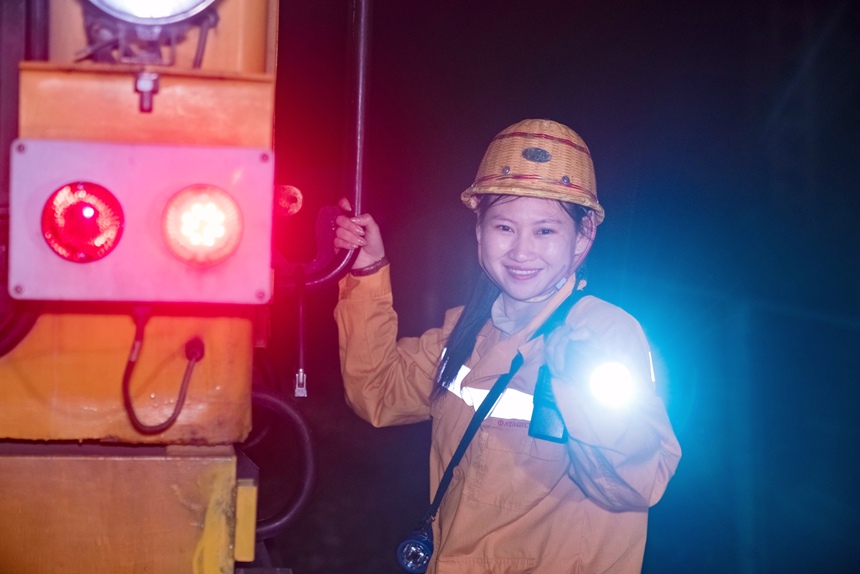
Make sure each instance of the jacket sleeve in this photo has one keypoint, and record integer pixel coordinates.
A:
(387, 381)
(621, 458)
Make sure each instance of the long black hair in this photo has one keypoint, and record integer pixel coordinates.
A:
(478, 309)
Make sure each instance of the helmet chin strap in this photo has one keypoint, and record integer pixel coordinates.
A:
(545, 296)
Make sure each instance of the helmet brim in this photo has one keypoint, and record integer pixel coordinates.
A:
(471, 196)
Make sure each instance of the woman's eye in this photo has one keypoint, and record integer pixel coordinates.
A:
(546, 231)
(503, 227)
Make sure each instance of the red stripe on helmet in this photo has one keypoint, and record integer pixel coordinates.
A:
(564, 141)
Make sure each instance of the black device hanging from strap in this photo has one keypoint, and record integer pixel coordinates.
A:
(413, 554)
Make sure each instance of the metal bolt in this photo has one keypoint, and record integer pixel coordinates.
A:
(146, 84)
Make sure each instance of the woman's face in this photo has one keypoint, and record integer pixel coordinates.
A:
(527, 245)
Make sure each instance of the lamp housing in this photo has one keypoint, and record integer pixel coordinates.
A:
(185, 223)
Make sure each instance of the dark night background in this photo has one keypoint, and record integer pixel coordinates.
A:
(725, 139)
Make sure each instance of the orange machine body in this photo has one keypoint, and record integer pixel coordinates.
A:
(80, 489)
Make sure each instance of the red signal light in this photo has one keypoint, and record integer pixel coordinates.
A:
(82, 222)
(202, 224)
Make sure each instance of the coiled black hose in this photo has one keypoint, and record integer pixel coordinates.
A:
(15, 324)
(272, 526)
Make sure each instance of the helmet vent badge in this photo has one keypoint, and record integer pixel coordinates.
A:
(537, 154)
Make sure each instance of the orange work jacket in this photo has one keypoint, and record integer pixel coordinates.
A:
(517, 503)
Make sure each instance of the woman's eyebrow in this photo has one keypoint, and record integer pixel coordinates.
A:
(548, 220)
(544, 221)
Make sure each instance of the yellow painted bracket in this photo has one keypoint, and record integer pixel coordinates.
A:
(246, 520)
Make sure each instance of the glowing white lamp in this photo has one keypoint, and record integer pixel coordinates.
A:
(612, 385)
(156, 12)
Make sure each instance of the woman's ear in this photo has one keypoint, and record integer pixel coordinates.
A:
(585, 233)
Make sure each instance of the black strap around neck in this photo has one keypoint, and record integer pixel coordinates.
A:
(555, 320)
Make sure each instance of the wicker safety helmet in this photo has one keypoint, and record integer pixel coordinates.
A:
(537, 158)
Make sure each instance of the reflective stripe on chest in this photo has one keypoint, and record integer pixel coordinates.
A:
(512, 404)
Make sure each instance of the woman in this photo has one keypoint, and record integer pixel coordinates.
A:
(517, 503)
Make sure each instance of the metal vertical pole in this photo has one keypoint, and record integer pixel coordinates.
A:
(361, 25)
(361, 31)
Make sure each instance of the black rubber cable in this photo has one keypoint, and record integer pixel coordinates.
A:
(193, 352)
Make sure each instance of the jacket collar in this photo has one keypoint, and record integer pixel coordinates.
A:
(493, 354)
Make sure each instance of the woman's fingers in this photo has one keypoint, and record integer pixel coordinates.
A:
(348, 235)
(358, 232)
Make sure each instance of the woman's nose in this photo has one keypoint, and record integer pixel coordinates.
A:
(522, 248)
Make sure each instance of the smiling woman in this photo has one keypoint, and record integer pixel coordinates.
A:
(525, 495)
(528, 247)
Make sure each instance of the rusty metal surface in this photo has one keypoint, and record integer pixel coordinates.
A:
(81, 509)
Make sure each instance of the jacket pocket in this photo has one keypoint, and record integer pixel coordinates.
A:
(513, 470)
